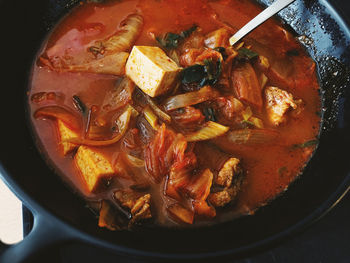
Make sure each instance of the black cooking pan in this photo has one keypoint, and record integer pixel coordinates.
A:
(60, 215)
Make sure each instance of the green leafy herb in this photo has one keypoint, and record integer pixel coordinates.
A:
(222, 51)
(78, 104)
(306, 144)
(245, 53)
(247, 122)
(209, 114)
(172, 40)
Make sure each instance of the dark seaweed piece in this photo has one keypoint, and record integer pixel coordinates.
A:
(172, 40)
(78, 104)
(292, 52)
(306, 144)
(246, 54)
(222, 51)
(209, 114)
(195, 73)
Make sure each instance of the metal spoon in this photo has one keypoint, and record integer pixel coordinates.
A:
(277, 6)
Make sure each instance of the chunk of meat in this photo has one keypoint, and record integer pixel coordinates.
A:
(129, 30)
(138, 204)
(246, 85)
(227, 172)
(228, 108)
(230, 178)
(278, 102)
(227, 195)
(141, 209)
(188, 117)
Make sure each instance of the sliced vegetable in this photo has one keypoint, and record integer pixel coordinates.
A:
(122, 124)
(199, 187)
(123, 39)
(115, 99)
(190, 98)
(151, 118)
(247, 113)
(58, 112)
(257, 122)
(251, 136)
(306, 144)
(134, 161)
(203, 209)
(210, 130)
(246, 85)
(245, 53)
(161, 114)
(180, 213)
(78, 104)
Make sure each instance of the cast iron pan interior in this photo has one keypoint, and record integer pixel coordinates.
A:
(324, 181)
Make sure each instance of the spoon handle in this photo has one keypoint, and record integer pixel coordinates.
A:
(277, 6)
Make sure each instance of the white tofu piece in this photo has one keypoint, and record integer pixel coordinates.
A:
(151, 70)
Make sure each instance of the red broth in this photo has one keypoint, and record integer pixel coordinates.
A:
(268, 167)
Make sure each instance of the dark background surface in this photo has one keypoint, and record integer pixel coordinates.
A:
(326, 241)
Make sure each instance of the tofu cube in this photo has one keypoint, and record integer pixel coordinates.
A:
(94, 167)
(151, 69)
(65, 133)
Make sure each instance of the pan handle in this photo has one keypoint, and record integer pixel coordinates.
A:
(47, 232)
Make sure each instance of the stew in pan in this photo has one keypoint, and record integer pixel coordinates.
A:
(149, 113)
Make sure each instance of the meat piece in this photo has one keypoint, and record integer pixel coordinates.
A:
(228, 107)
(227, 172)
(138, 204)
(278, 102)
(194, 41)
(227, 195)
(94, 168)
(188, 117)
(229, 177)
(246, 85)
(129, 30)
(141, 209)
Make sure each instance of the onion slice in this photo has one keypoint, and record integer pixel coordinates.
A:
(58, 112)
(122, 123)
(190, 98)
(210, 130)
